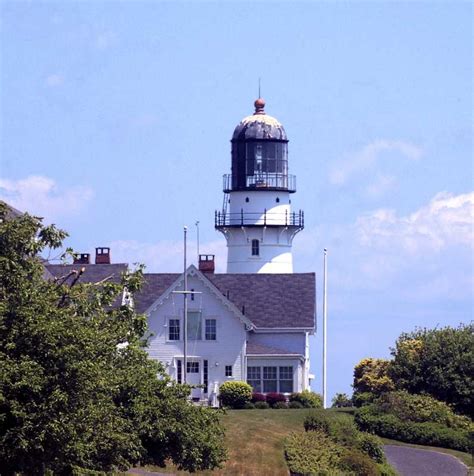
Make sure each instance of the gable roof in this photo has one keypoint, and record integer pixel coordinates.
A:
(93, 272)
(267, 300)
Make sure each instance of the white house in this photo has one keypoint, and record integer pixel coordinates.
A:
(250, 327)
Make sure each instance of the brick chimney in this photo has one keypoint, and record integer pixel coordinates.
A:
(102, 255)
(206, 263)
(82, 258)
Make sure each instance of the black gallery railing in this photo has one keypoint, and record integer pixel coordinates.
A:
(293, 219)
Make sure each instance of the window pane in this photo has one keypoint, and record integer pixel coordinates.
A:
(255, 384)
(286, 386)
(228, 370)
(286, 373)
(194, 325)
(192, 367)
(269, 379)
(253, 373)
(173, 329)
(210, 329)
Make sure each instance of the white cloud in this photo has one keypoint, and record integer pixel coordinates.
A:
(382, 184)
(54, 80)
(447, 220)
(166, 256)
(369, 156)
(41, 196)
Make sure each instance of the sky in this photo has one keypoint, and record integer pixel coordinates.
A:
(116, 117)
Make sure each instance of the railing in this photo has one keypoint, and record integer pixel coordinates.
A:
(259, 181)
(293, 219)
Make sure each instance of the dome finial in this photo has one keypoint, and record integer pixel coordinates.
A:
(259, 106)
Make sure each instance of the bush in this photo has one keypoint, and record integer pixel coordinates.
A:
(387, 425)
(372, 446)
(249, 406)
(295, 405)
(312, 453)
(280, 406)
(421, 408)
(386, 470)
(308, 399)
(235, 394)
(357, 463)
(343, 430)
(261, 405)
(317, 421)
(274, 397)
(258, 397)
(363, 398)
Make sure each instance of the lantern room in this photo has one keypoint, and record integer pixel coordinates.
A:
(259, 155)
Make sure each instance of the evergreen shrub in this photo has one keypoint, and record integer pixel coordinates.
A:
(308, 399)
(295, 405)
(261, 405)
(274, 397)
(280, 406)
(235, 394)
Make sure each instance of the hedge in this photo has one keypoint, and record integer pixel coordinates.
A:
(307, 398)
(235, 394)
(425, 433)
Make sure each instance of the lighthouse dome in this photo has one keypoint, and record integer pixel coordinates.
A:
(259, 126)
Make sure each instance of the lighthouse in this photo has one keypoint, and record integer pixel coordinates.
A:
(256, 217)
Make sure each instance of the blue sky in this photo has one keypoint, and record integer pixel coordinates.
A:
(116, 119)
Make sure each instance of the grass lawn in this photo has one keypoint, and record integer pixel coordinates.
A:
(255, 440)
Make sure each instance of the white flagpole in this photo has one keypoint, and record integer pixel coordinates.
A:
(325, 311)
(185, 317)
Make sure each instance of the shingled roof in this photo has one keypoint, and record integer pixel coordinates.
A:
(93, 272)
(255, 349)
(267, 300)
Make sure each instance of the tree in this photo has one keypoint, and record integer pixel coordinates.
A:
(439, 362)
(341, 400)
(77, 389)
(371, 375)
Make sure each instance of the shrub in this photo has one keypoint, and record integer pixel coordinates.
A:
(274, 397)
(386, 470)
(372, 446)
(258, 397)
(295, 405)
(390, 426)
(261, 405)
(235, 394)
(312, 453)
(359, 399)
(358, 463)
(317, 421)
(372, 375)
(280, 405)
(343, 430)
(249, 406)
(421, 408)
(308, 399)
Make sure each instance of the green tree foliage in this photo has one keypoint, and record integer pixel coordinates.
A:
(77, 390)
(308, 399)
(341, 400)
(439, 362)
(371, 376)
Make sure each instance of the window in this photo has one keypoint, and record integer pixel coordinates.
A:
(247, 200)
(210, 329)
(173, 329)
(180, 372)
(194, 325)
(228, 370)
(205, 375)
(253, 378)
(286, 379)
(192, 367)
(269, 379)
(192, 295)
(255, 248)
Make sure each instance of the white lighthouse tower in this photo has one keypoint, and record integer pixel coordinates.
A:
(256, 218)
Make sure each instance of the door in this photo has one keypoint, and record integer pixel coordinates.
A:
(193, 377)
